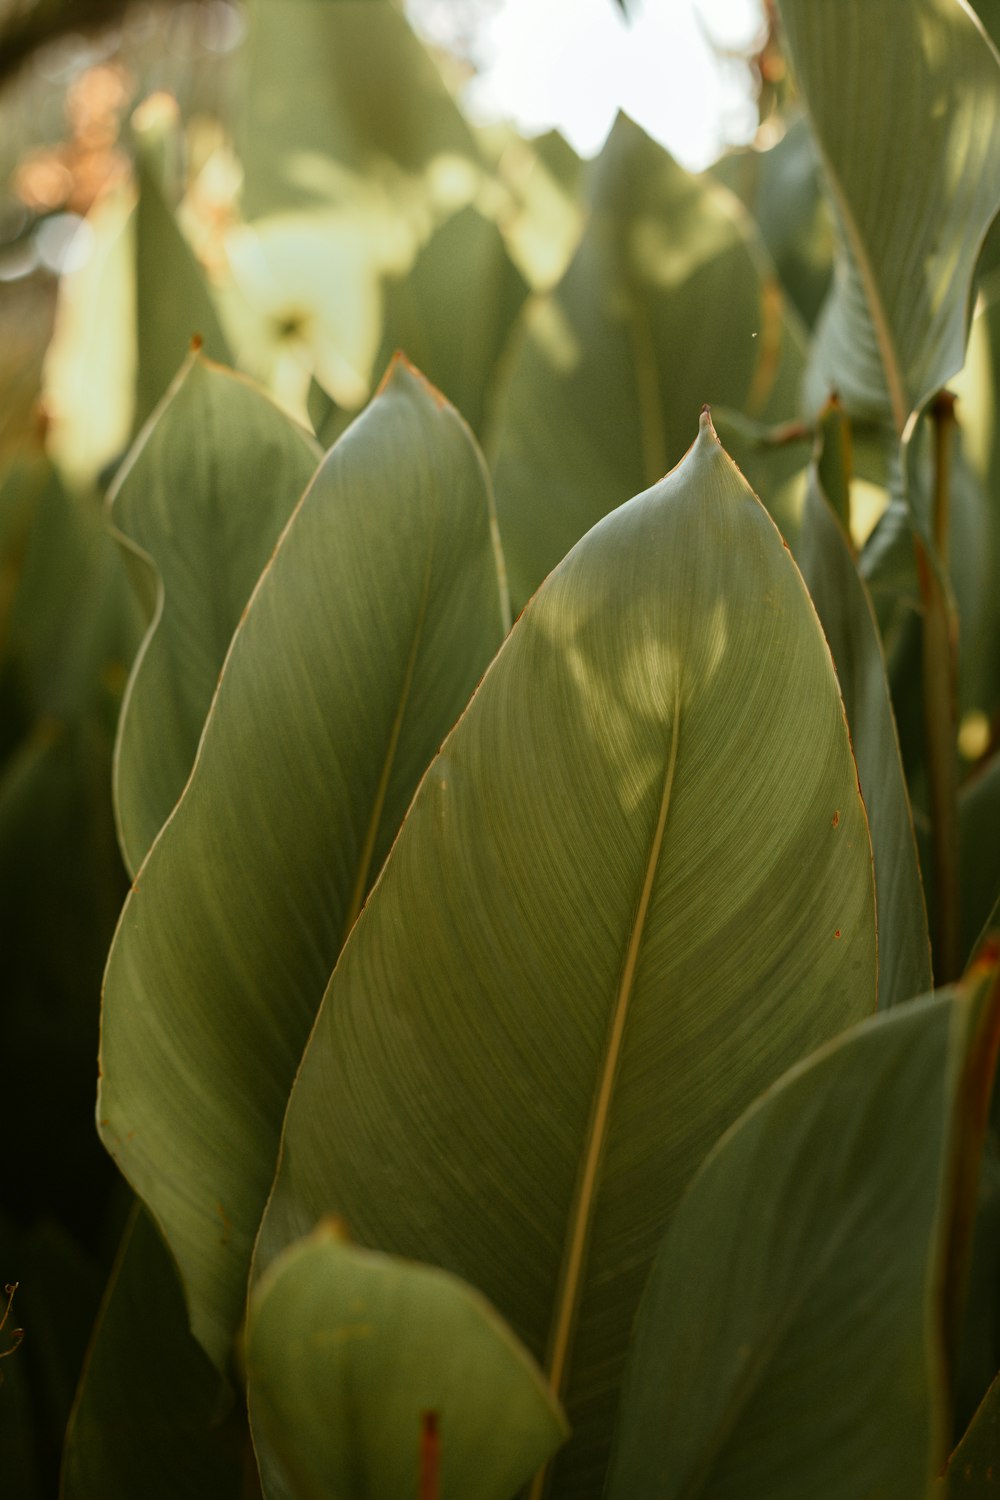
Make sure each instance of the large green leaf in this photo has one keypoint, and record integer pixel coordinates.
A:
(453, 313)
(339, 86)
(782, 188)
(368, 1374)
(666, 305)
(790, 1341)
(633, 887)
(364, 637)
(904, 100)
(824, 553)
(147, 1417)
(200, 503)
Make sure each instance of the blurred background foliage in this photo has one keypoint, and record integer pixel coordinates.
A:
(296, 183)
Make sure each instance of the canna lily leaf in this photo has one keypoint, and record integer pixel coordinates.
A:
(667, 279)
(146, 1420)
(363, 639)
(199, 505)
(579, 963)
(173, 305)
(973, 1472)
(790, 1339)
(904, 101)
(340, 86)
(824, 553)
(369, 1375)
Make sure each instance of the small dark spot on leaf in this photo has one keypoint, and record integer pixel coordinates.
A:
(835, 819)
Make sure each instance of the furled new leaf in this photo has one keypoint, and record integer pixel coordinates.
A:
(904, 100)
(376, 1376)
(200, 503)
(824, 554)
(793, 1339)
(586, 954)
(363, 639)
(665, 306)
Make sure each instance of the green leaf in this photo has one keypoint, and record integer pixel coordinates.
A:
(339, 86)
(173, 305)
(365, 635)
(790, 1339)
(904, 101)
(146, 1420)
(825, 555)
(782, 188)
(979, 842)
(200, 504)
(453, 313)
(974, 1469)
(585, 955)
(364, 1369)
(667, 279)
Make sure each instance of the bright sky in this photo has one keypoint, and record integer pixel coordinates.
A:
(574, 63)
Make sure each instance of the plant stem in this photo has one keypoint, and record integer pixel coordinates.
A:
(940, 660)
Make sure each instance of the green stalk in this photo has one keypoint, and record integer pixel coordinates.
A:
(940, 664)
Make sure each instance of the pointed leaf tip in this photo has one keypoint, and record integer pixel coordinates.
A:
(705, 424)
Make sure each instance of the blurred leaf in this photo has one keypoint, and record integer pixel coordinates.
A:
(58, 1291)
(365, 636)
(973, 1472)
(172, 302)
(90, 367)
(904, 101)
(453, 313)
(360, 1364)
(824, 553)
(346, 84)
(146, 1420)
(979, 830)
(71, 634)
(594, 408)
(790, 1339)
(980, 1345)
(579, 963)
(200, 504)
(782, 188)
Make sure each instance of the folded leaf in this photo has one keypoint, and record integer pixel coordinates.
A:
(790, 1339)
(904, 101)
(368, 1374)
(200, 504)
(842, 601)
(364, 637)
(633, 887)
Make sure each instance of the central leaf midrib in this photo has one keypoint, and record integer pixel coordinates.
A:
(582, 1209)
(382, 789)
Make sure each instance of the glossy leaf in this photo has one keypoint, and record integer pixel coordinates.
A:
(904, 101)
(666, 305)
(368, 1373)
(790, 1339)
(200, 504)
(364, 637)
(147, 1418)
(580, 963)
(824, 553)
